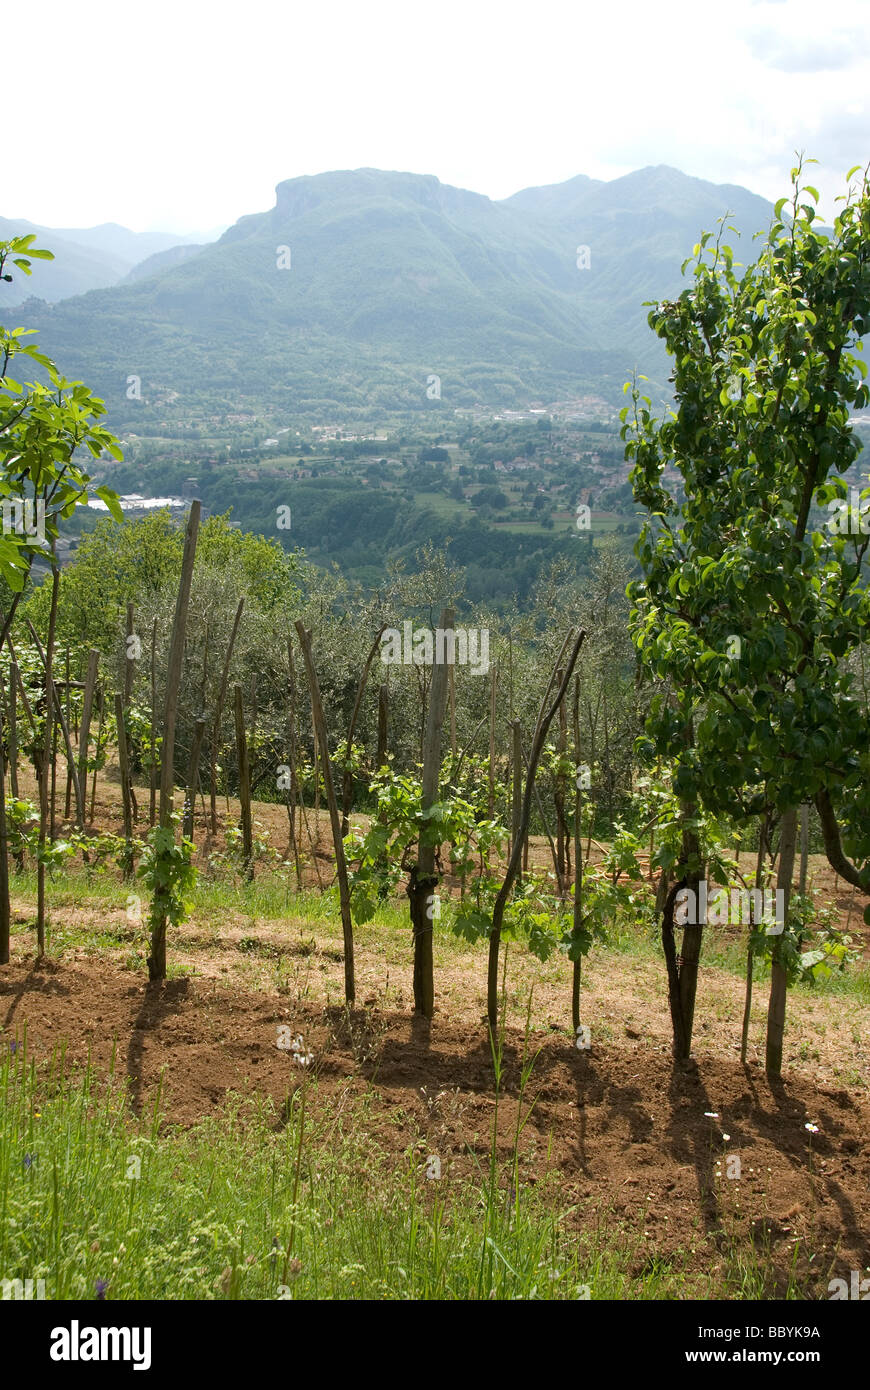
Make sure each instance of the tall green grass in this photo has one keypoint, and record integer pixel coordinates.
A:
(295, 1201)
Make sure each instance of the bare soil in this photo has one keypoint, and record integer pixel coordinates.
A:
(626, 1134)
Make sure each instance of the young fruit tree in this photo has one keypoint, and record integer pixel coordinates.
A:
(43, 425)
(754, 593)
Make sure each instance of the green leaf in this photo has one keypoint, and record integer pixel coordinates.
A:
(112, 501)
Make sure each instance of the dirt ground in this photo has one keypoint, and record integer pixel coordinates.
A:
(685, 1155)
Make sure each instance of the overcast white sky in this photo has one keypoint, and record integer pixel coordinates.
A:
(182, 115)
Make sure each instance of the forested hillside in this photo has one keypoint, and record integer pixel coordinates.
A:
(359, 287)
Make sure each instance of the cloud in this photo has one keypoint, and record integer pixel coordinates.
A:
(807, 52)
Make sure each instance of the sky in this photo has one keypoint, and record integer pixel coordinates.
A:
(182, 116)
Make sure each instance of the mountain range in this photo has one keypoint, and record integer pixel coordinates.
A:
(373, 292)
(87, 258)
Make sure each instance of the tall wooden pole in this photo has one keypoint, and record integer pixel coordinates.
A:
(157, 959)
(85, 730)
(45, 761)
(517, 788)
(4, 860)
(193, 779)
(218, 713)
(578, 858)
(244, 782)
(152, 780)
(64, 727)
(291, 755)
(545, 717)
(423, 879)
(124, 763)
(383, 724)
(778, 976)
(338, 843)
(67, 806)
(493, 692)
(129, 659)
(347, 780)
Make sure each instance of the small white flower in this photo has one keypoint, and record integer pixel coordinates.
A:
(813, 1129)
(711, 1114)
(726, 1137)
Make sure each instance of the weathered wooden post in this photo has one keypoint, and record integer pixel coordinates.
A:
(124, 764)
(157, 958)
(244, 783)
(545, 718)
(4, 860)
(193, 779)
(218, 714)
(778, 975)
(383, 724)
(338, 844)
(423, 879)
(85, 730)
(44, 761)
(152, 781)
(517, 787)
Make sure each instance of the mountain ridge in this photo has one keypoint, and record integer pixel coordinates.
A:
(390, 277)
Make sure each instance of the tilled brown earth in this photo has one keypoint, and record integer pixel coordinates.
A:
(689, 1156)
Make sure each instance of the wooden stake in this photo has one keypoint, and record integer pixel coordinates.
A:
(4, 861)
(46, 758)
(71, 757)
(218, 714)
(517, 788)
(244, 783)
(67, 806)
(99, 748)
(13, 728)
(157, 958)
(545, 717)
(423, 879)
(124, 763)
(383, 724)
(338, 844)
(192, 779)
(778, 976)
(347, 779)
(129, 659)
(291, 754)
(576, 979)
(152, 780)
(85, 733)
(493, 690)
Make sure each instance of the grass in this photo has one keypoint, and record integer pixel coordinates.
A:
(291, 1202)
(302, 1200)
(273, 897)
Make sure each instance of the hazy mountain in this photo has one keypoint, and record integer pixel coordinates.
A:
(86, 258)
(358, 285)
(161, 260)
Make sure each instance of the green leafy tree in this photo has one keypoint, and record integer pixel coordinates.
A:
(43, 426)
(748, 608)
